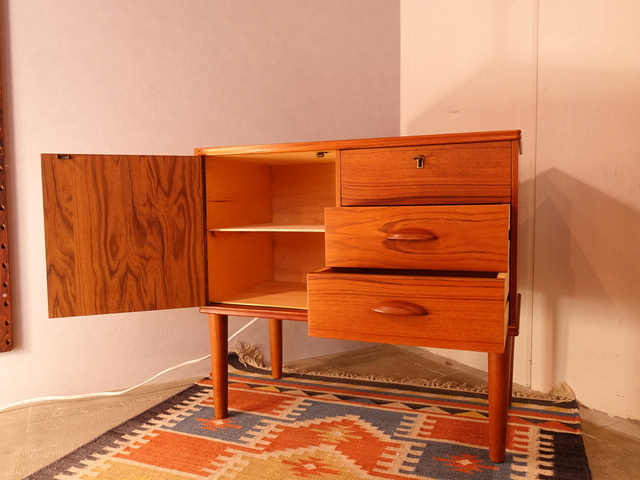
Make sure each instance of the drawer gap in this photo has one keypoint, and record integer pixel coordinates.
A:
(420, 273)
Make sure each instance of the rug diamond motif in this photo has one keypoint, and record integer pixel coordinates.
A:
(319, 462)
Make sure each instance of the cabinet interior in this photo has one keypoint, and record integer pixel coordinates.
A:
(265, 225)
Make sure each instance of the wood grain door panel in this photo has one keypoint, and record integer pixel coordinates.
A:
(123, 233)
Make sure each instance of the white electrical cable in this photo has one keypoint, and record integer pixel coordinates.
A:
(121, 392)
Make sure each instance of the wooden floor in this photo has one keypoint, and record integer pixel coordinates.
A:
(34, 436)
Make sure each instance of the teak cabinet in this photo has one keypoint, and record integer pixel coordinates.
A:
(404, 240)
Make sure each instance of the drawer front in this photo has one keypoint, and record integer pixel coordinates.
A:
(445, 237)
(435, 174)
(443, 312)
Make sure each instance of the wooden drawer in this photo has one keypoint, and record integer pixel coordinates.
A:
(444, 237)
(467, 313)
(451, 174)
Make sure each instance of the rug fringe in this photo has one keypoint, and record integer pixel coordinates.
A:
(561, 392)
(249, 355)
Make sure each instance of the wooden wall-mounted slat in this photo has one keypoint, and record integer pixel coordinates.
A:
(6, 321)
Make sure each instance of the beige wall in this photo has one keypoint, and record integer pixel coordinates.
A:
(164, 77)
(567, 74)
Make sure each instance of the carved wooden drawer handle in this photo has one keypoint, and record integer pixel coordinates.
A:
(399, 307)
(413, 235)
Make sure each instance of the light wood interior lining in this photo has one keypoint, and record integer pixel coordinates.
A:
(265, 215)
(259, 196)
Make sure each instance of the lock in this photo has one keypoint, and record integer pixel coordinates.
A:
(419, 161)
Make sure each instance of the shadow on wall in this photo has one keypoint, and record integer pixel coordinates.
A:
(587, 275)
(570, 84)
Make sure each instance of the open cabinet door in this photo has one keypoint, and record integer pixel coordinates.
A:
(123, 233)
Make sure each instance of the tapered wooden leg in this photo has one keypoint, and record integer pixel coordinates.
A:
(218, 335)
(499, 391)
(275, 340)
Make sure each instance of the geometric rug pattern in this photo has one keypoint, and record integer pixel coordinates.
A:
(302, 427)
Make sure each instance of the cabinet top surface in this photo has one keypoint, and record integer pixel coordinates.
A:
(449, 138)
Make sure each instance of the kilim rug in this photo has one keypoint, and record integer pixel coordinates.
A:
(320, 428)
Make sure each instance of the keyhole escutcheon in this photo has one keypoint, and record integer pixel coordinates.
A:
(419, 161)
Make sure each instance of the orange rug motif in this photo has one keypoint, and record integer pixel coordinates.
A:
(303, 427)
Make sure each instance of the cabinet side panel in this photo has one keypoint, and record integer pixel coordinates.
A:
(514, 312)
(124, 233)
(239, 261)
(238, 193)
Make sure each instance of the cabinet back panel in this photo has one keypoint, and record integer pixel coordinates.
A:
(297, 254)
(123, 233)
(301, 192)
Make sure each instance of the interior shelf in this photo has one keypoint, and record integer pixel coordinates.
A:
(272, 227)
